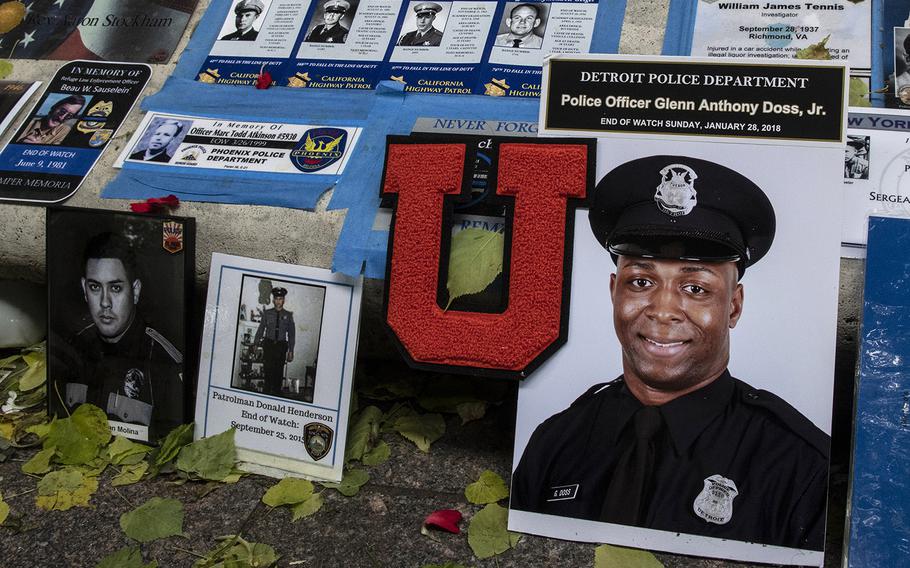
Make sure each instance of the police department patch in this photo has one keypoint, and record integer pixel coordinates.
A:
(317, 439)
(319, 148)
(172, 236)
(715, 502)
(676, 194)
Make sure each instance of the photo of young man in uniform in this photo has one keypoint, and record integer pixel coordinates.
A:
(246, 12)
(118, 362)
(426, 34)
(277, 339)
(524, 24)
(331, 30)
(677, 443)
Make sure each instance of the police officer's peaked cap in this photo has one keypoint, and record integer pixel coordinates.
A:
(249, 6)
(428, 7)
(677, 207)
(856, 143)
(337, 6)
(279, 292)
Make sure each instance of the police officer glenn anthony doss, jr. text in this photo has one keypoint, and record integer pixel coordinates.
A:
(676, 443)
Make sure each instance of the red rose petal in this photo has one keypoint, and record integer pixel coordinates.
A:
(264, 80)
(444, 519)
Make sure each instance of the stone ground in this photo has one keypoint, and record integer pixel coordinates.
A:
(379, 527)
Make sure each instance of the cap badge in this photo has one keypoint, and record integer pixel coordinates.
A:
(715, 502)
(676, 193)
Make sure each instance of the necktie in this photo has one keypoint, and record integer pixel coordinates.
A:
(627, 492)
(516, 42)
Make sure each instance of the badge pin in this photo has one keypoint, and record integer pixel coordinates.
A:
(715, 502)
(317, 439)
(676, 193)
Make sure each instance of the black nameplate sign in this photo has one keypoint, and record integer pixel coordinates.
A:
(798, 100)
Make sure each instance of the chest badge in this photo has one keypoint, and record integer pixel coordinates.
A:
(715, 502)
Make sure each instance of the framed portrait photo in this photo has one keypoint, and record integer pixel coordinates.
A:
(690, 409)
(119, 291)
(277, 364)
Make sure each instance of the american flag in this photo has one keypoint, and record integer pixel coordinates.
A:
(50, 29)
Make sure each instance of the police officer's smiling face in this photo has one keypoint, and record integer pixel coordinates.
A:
(111, 297)
(523, 21)
(673, 319)
(244, 19)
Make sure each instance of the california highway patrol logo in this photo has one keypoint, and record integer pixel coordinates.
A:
(715, 502)
(317, 439)
(319, 148)
(676, 193)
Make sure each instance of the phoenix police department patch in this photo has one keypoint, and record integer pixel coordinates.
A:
(319, 148)
(715, 502)
(317, 439)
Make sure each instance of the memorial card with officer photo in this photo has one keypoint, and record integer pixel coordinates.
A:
(526, 33)
(277, 364)
(690, 409)
(119, 291)
(256, 35)
(344, 44)
(875, 173)
(438, 46)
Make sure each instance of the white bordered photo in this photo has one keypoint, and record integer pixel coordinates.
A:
(277, 364)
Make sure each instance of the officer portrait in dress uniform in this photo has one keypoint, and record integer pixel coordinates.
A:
(276, 335)
(678, 442)
(110, 342)
(159, 141)
(332, 30)
(246, 12)
(523, 26)
(277, 339)
(426, 19)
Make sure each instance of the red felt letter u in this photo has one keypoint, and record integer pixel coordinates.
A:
(545, 179)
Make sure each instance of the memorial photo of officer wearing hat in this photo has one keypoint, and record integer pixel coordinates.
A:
(277, 340)
(244, 20)
(675, 421)
(856, 157)
(51, 123)
(160, 140)
(118, 302)
(523, 25)
(337, 16)
(426, 22)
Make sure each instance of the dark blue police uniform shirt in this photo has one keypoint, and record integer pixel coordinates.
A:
(775, 457)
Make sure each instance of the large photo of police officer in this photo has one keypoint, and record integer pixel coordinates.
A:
(690, 410)
(424, 24)
(277, 341)
(118, 299)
